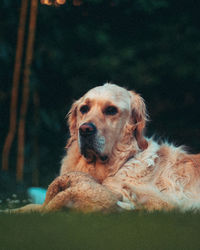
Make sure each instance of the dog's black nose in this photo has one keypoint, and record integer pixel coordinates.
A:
(87, 129)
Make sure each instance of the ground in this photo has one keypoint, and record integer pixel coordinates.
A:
(124, 231)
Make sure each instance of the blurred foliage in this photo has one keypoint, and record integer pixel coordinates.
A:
(147, 45)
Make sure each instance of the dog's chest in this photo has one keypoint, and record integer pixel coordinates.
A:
(139, 169)
(97, 170)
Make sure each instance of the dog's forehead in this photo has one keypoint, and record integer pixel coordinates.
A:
(110, 92)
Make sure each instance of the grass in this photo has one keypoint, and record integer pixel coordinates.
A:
(124, 231)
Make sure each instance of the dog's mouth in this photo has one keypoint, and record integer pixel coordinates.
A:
(89, 150)
(92, 156)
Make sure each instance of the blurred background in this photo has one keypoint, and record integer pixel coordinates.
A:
(52, 52)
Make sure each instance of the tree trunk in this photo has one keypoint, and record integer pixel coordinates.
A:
(15, 86)
(25, 94)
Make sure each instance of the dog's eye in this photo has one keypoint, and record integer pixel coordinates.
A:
(111, 110)
(84, 109)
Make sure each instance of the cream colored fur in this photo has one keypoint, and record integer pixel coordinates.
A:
(138, 173)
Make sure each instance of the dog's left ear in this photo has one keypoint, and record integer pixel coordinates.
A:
(139, 118)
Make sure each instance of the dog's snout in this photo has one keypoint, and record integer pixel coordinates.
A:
(87, 129)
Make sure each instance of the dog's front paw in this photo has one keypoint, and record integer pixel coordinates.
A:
(126, 205)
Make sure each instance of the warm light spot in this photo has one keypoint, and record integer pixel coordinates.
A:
(47, 2)
(53, 2)
(60, 1)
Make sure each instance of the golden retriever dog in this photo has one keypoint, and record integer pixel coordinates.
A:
(110, 164)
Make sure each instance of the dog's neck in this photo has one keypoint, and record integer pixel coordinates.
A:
(122, 152)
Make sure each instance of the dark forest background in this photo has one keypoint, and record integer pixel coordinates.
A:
(151, 46)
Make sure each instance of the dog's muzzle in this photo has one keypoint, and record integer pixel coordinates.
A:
(87, 134)
(90, 146)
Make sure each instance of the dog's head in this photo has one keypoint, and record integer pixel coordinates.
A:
(103, 116)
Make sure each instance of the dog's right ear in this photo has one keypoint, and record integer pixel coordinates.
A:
(72, 119)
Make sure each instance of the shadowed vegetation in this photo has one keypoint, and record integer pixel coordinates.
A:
(130, 230)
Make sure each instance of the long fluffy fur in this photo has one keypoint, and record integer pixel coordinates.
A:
(139, 173)
(146, 174)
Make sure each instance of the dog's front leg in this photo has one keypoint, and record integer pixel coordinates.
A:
(145, 197)
(79, 191)
(136, 196)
